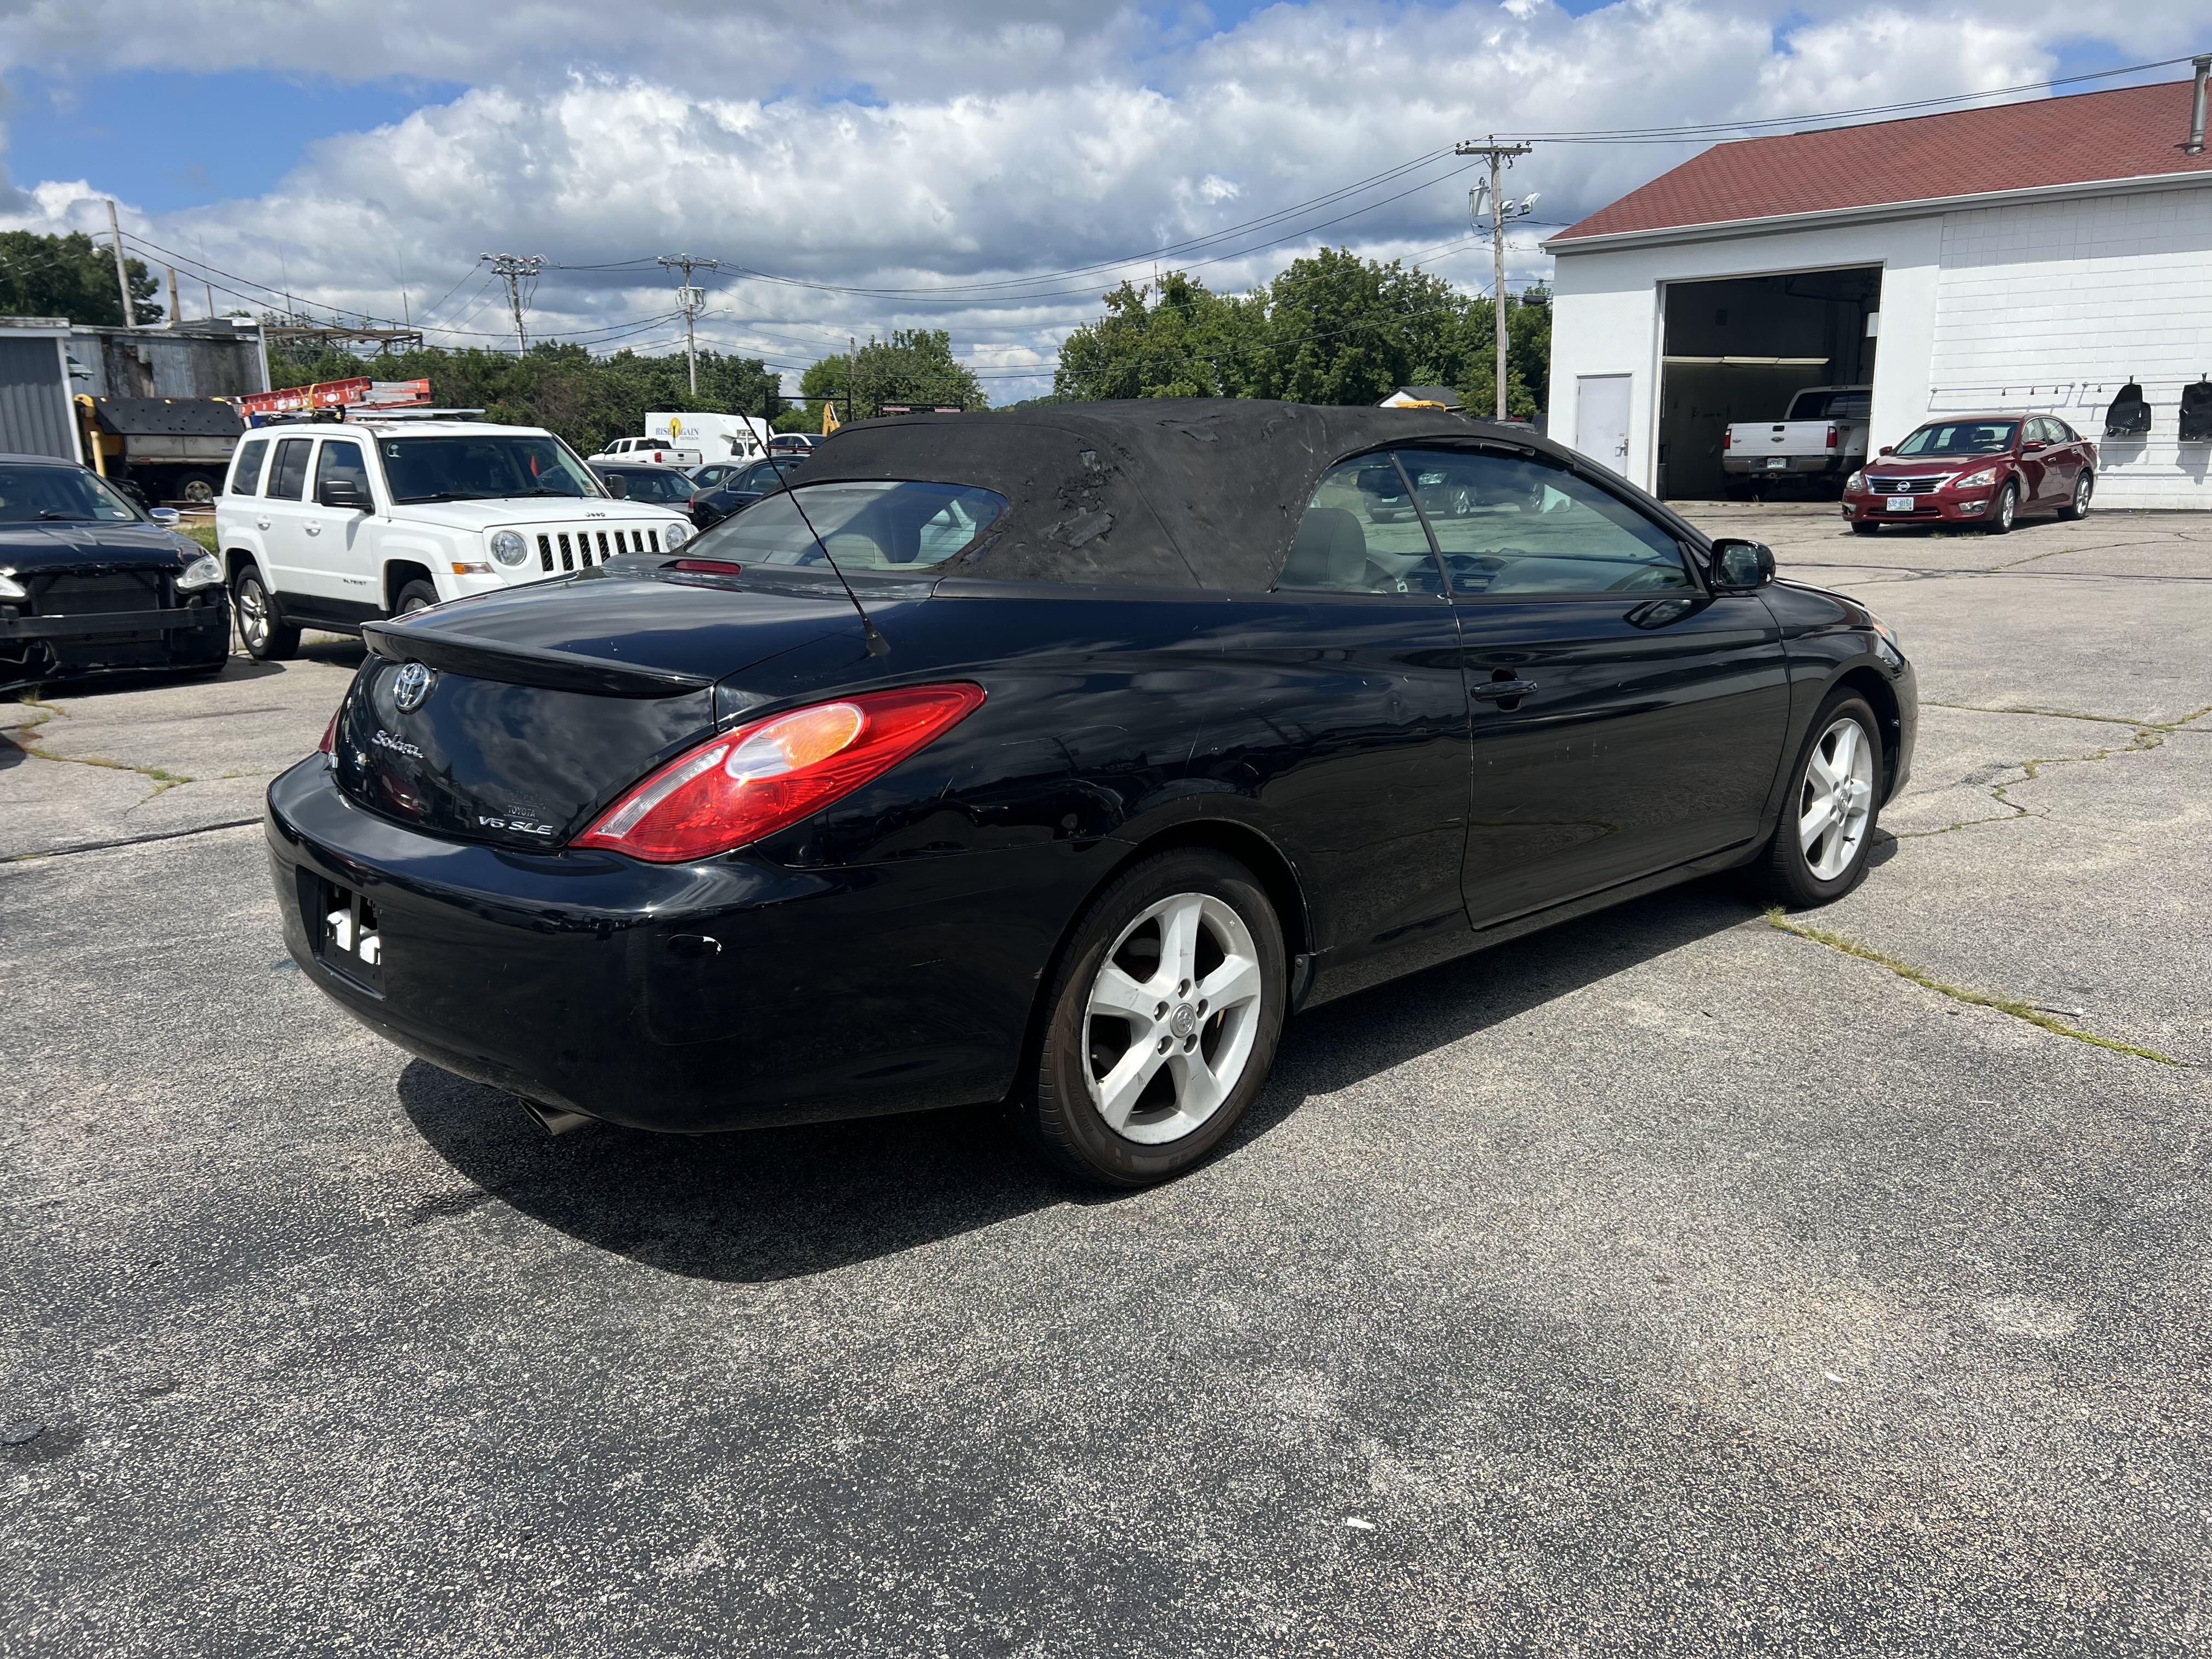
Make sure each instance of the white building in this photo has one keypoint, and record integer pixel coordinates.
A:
(2034, 256)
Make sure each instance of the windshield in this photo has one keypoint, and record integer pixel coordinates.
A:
(866, 526)
(487, 468)
(1831, 403)
(31, 495)
(1960, 438)
(656, 487)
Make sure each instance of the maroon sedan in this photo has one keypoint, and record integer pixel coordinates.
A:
(1985, 470)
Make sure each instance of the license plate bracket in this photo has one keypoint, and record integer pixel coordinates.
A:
(1898, 503)
(347, 931)
(1776, 463)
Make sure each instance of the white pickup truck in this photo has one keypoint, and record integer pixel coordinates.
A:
(327, 524)
(1823, 435)
(658, 451)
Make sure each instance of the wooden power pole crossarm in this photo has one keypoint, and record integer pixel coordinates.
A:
(690, 301)
(1500, 155)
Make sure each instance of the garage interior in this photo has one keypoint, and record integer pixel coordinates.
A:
(1739, 348)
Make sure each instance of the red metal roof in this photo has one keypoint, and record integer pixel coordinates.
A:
(2133, 133)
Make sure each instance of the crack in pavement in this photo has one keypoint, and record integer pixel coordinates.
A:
(2146, 735)
(163, 778)
(2028, 1011)
(126, 841)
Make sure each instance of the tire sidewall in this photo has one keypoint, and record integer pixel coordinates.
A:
(1793, 875)
(2001, 521)
(413, 590)
(1062, 1116)
(2084, 487)
(260, 650)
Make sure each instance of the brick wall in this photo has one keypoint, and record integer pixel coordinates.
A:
(2054, 305)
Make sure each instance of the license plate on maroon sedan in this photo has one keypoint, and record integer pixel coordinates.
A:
(1898, 503)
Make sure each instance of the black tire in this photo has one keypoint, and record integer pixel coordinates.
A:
(1785, 871)
(197, 489)
(415, 596)
(2077, 506)
(261, 625)
(2003, 511)
(1861, 527)
(1055, 1108)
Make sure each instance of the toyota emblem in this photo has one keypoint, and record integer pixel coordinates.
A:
(411, 687)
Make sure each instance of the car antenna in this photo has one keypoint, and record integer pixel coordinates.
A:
(877, 645)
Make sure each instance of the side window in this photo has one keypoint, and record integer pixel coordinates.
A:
(246, 474)
(341, 461)
(2066, 434)
(1511, 524)
(1360, 534)
(288, 478)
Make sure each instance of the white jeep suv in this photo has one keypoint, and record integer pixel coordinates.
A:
(333, 523)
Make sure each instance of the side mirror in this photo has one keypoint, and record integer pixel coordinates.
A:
(2031, 446)
(1887, 449)
(342, 493)
(165, 516)
(618, 487)
(1740, 566)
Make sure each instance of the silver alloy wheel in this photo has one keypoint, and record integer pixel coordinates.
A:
(1836, 799)
(409, 607)
(1170, 1021)
(199, 492)
(2007, 505)
(2081, 488)
(254, 613)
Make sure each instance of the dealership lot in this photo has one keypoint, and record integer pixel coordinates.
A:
(1666, 1282)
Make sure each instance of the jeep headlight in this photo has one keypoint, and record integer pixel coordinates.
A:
(1981, 480)
(675, 535)
(509, 549)
(203, 572)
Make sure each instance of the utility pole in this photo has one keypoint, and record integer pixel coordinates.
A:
(1501, 155)
(514, 270)
(122, 276)
(851, 369)
(175, 314)
(690, 301)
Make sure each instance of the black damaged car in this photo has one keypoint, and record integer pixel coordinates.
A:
(1057, 757)
(91, 584)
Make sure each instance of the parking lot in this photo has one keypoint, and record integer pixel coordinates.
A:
(1676, 1281)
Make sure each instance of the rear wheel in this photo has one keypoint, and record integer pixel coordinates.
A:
(2004, 510)
(2078, 508)
(196, 489)
(261, 627)
(1161, 1022)
(1820, 848)
(415, 596)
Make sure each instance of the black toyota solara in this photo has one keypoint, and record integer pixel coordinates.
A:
(1056, 758)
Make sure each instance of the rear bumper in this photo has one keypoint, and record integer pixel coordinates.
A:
(724, 995)
(1793, 467)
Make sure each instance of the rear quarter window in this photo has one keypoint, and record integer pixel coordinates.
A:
(246, 471)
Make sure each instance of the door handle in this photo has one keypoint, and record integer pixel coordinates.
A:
(313, 529)
(1500, 691)
(261, 523)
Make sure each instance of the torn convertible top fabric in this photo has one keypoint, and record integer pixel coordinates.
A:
(1166, 492)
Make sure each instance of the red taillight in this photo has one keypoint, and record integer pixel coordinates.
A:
(1728, 439)
(767, 775)
(1831, 437)
(329, 743)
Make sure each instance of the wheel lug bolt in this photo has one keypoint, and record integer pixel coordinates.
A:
(1160, 1012)
(1163, 1043)
(1183, 989)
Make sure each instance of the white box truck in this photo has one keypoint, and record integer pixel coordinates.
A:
(716, 437)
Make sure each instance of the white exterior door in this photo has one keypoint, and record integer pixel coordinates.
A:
(1601, 419)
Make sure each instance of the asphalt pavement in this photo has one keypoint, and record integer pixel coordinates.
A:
(1670, 1283)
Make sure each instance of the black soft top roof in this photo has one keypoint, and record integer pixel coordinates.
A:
(1167, 492)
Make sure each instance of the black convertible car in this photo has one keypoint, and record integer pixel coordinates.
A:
(1057, 757)
(94, 584)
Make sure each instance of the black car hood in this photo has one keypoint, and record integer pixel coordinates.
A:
(65, 544)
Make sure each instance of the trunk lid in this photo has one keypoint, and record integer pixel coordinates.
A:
(516, 717)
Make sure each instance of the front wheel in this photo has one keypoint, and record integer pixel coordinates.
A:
(1161, 1022)
(2077, 508)
(2006, 510)
(415, 596)
(260, 624)
(1820, 848)
(1860, 527)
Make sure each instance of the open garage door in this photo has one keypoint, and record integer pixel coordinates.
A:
(1740, 348)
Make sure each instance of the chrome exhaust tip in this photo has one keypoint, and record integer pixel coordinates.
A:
(552, 1120)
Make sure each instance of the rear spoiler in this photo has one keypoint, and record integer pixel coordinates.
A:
(522, 665)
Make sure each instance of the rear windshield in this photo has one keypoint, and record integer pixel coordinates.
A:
(866, 526)
(1960, 438)
(1831, 403)
(488, 468)
(58, 495)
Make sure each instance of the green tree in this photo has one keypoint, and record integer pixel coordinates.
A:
(1184, 341)
(70, 276)
(588, 400)
(915, 365)
(1344, 330)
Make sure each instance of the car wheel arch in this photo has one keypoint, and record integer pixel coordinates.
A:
(1875, 686)
(397, 574)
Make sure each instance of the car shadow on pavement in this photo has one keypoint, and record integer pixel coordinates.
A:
(770, 1204)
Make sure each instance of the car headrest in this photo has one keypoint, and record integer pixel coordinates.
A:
(1329, 550)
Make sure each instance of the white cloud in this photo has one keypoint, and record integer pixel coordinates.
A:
(902, 149)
